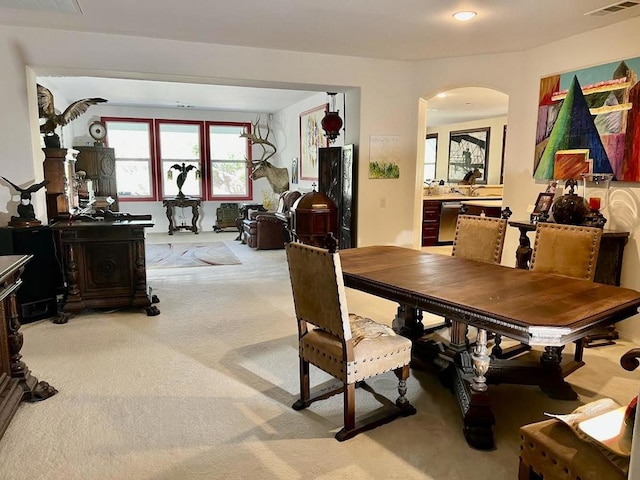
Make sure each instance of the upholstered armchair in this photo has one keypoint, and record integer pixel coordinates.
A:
(268, 230)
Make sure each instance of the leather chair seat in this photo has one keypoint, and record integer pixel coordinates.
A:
(549, 449)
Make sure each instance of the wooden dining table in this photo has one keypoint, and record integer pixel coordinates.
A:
(535, 309)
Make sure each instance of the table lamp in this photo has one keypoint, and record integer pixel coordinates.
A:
(595, 188)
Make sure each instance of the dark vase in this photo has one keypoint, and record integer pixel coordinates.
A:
(570, 208)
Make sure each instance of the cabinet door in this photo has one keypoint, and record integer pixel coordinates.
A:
(100, 165)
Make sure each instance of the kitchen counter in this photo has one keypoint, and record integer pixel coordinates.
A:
(456, 197)
(483, 203)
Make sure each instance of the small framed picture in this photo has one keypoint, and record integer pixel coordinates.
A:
(543, 204)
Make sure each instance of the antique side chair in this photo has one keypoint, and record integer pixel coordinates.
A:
(348, 347)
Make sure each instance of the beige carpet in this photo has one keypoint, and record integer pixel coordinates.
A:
(204, 391)
(179, 255)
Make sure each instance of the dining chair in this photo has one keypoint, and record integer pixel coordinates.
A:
(347, 346)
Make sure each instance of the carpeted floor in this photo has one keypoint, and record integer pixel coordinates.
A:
(204, 391)
(184, 255)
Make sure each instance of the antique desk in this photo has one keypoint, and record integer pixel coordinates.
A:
(170, 206)
(533, 308)
(104, 263)
(16, 382)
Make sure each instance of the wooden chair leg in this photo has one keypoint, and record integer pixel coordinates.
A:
(349, 406)
(305, 391)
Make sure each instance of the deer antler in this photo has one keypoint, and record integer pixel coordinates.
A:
(256, 138)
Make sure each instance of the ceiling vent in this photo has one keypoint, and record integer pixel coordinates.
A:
(613, 8)
(59, 6)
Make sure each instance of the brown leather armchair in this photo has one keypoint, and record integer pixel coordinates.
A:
(268, 230)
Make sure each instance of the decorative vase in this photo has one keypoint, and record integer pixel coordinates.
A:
(570, 208)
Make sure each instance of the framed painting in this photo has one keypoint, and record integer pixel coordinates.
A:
(384, 156)
(468, 155)
(594, 109)
(311, 138)
(543, 203)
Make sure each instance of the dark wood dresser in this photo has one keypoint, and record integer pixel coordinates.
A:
(16, 382)
(104, 263)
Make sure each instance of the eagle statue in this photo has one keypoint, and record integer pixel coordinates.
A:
(47, 111)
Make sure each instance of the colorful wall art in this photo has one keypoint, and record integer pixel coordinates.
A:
(595, 109)
(384, 153)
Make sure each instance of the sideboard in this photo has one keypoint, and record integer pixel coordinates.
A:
(16, 382)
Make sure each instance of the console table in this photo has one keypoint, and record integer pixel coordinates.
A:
(104, 263)
(171, 205)
(16, 382)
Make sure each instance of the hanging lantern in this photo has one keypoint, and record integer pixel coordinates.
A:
(332, 123)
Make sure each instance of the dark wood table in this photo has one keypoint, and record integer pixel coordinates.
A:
(170, 206)
(533, 308)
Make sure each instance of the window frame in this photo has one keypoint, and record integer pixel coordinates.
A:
(157, 193)
(435, 163)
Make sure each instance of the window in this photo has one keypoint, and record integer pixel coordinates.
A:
(430, 154)
(228, 154)
(146, 149)
(131, 141)
(179, 142)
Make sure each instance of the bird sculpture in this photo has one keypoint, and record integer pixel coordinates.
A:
(182, 176)
(47, 110)
(25, 209)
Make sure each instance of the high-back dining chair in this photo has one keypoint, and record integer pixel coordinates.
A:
(348, 347)
(569, 250)
(479, 238)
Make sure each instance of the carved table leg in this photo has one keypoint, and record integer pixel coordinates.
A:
(408, 322)
(34, 390)
(554, 385)
(169, 212)
(73, 301)
(524, 251)
(195, 212)
(477, 416)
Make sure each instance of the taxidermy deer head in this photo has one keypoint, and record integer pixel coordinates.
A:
(278, 177)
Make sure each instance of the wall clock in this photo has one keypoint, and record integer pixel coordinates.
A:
(98, 131)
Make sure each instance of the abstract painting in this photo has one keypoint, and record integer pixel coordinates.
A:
(595, 109)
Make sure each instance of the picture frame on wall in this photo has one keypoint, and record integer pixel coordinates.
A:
(468, 152)
(311, 138)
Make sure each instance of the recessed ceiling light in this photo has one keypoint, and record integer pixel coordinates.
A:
(441, 95)
(464, 16)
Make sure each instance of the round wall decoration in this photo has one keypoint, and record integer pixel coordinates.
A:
(98, 131)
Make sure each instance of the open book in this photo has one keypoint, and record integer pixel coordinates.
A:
(602, 424)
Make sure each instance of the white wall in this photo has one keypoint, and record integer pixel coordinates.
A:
(496, 135)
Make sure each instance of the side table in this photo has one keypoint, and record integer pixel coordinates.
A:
(171, 205)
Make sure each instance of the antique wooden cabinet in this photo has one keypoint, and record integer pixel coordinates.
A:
(337, 180)
(16, 381)
(104, 263)
(42, 278)
(100, 165)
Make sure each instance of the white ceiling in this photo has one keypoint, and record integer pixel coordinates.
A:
(400, 30)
